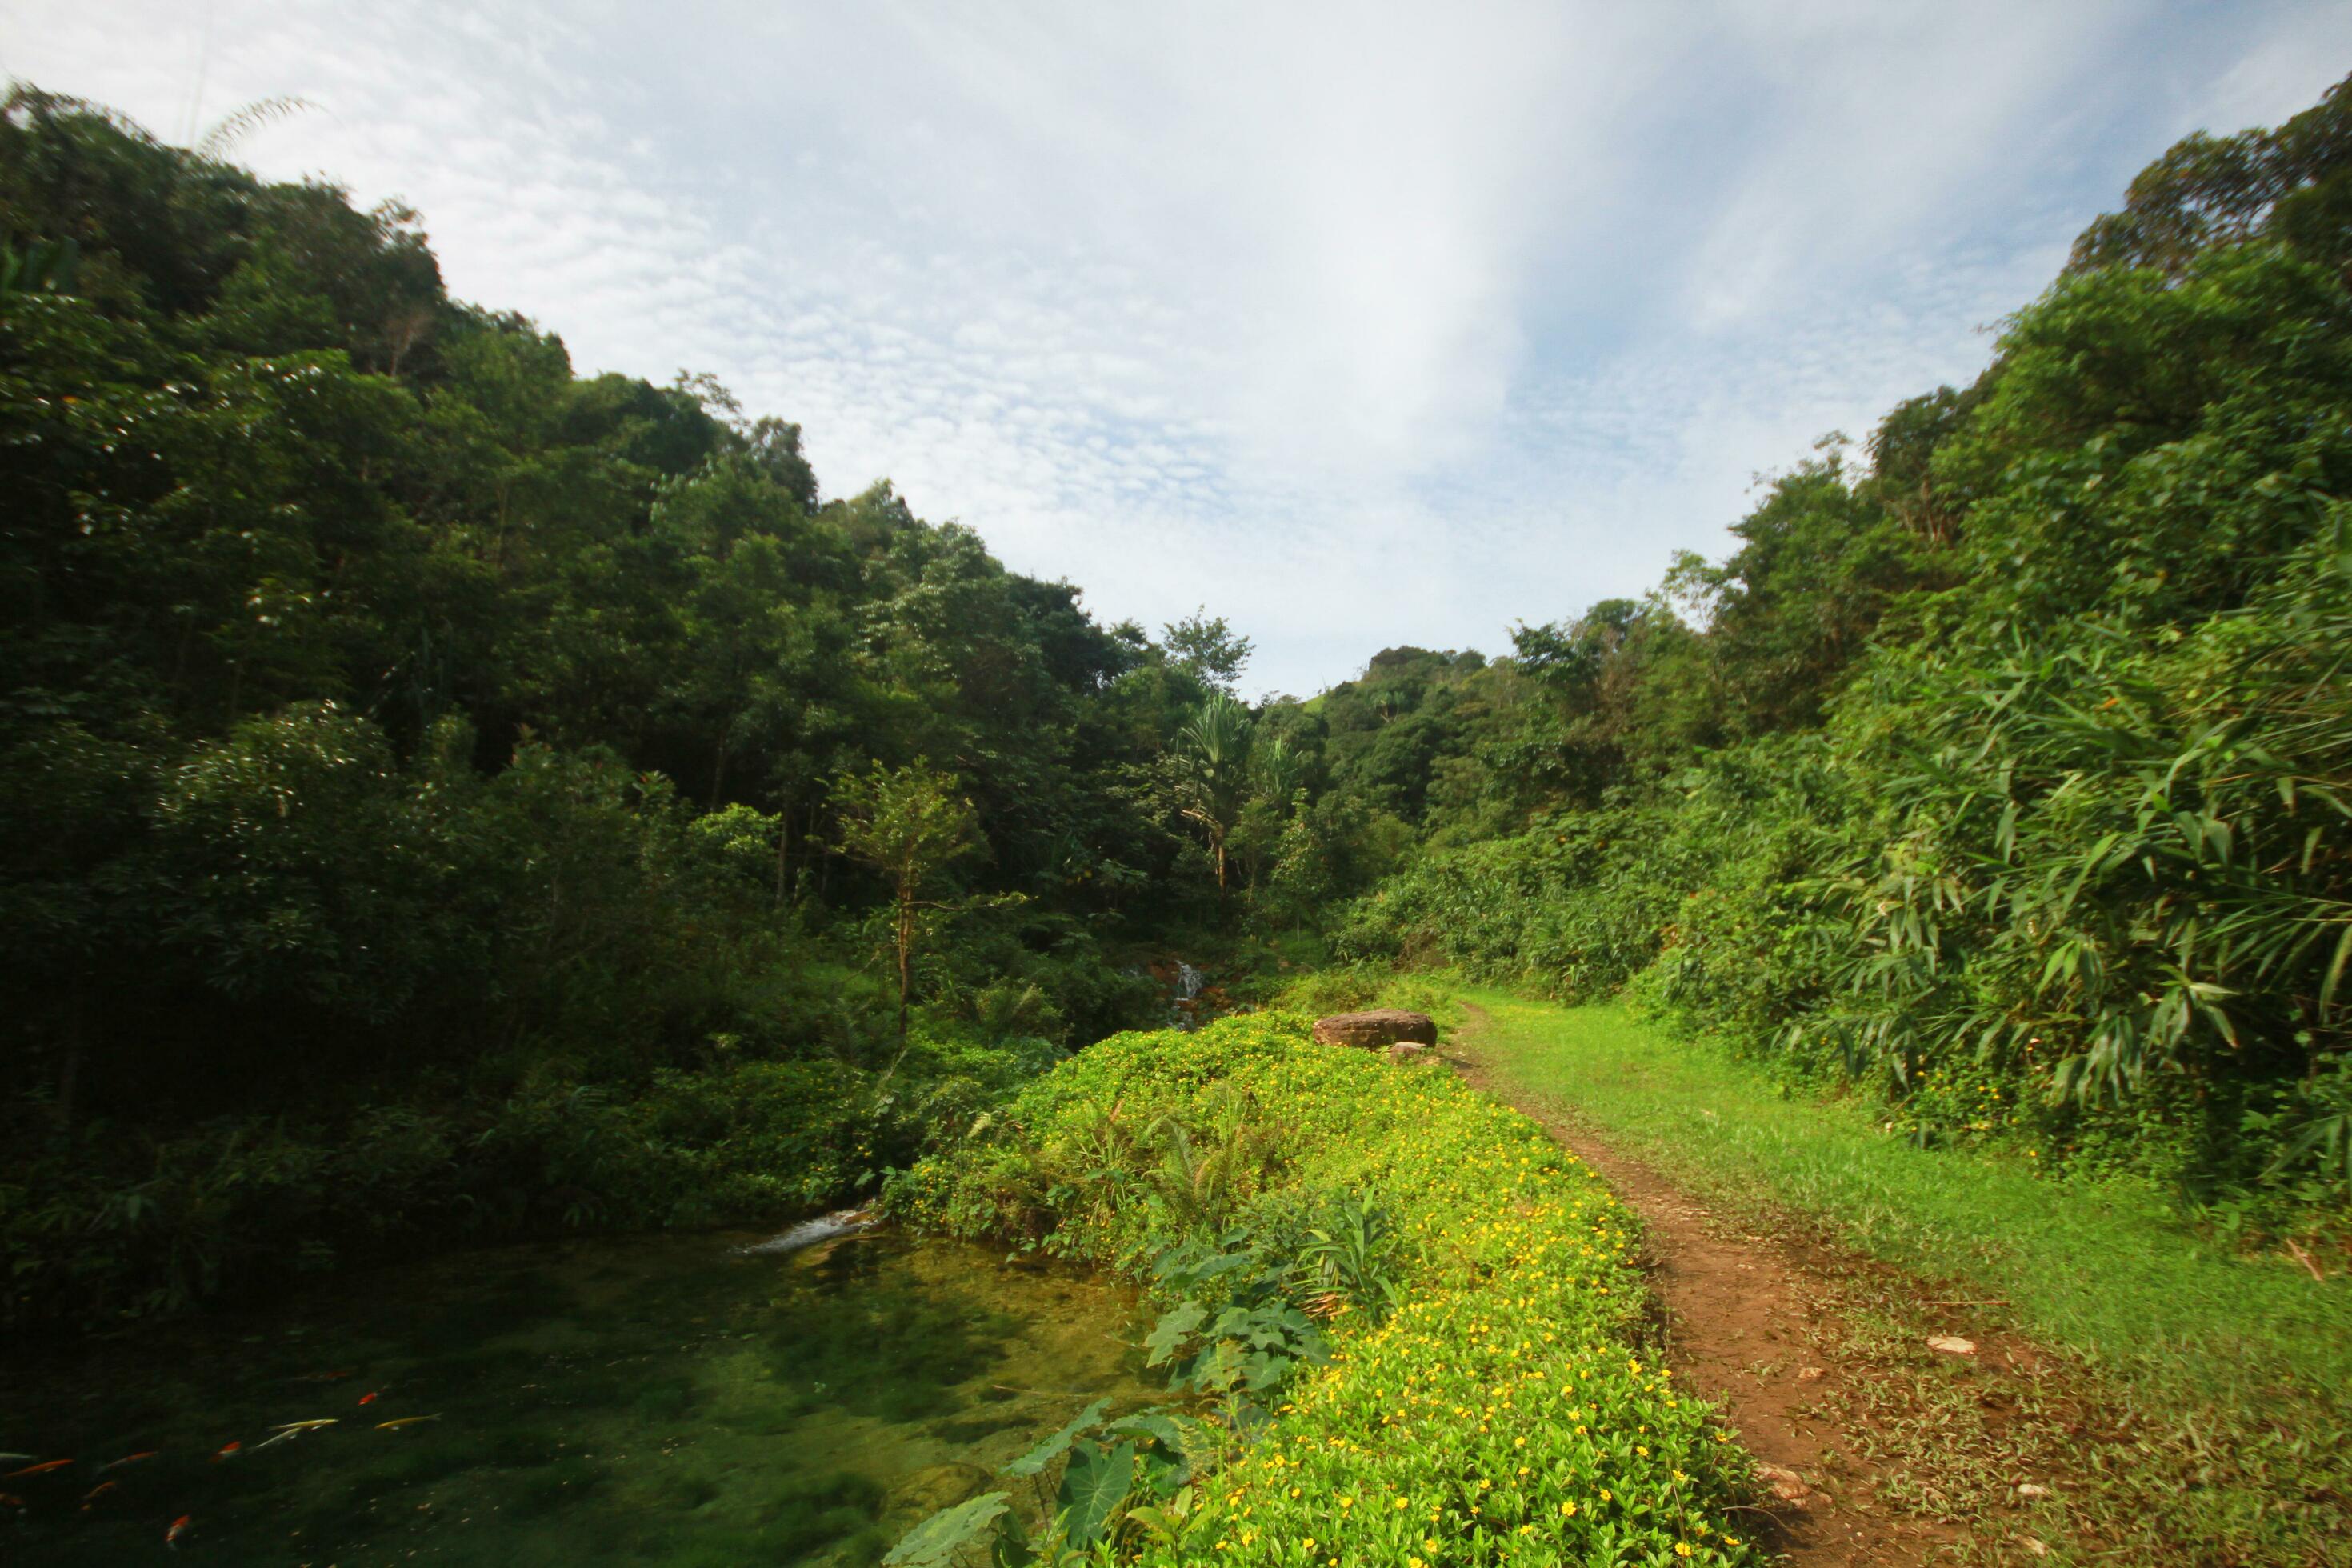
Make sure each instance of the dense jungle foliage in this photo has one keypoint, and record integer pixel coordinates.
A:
(444, 795)
(2006, 764)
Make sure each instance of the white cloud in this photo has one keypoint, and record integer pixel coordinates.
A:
(1358, 324)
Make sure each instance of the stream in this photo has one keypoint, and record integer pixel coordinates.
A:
(664, 1399)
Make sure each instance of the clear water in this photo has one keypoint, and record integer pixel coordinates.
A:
(660, 1400)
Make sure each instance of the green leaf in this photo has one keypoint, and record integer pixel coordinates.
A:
(2327, 987)
(1176, 1325)
(1217, 1369)
(934, 1543)
(1192, 1441)
(1092, 1488)
(1055, 1446)
(1234, 1324)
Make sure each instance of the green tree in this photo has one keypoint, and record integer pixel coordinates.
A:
(909, 824)
(1213, 747)
(1203, 647)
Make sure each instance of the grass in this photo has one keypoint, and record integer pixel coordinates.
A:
(2230, 1378)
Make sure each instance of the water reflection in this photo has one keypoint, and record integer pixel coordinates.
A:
(665, 1400)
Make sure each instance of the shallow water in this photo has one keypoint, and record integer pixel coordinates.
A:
(657, 1400)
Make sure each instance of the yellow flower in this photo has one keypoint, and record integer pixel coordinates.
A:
(1566, 1509)
(1682, 1548)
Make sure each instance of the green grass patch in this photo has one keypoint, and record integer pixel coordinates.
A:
(2233, 1375)
(1502, 1413)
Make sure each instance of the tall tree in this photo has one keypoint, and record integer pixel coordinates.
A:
(1206, 648)
(909, 823)
(1215, 744)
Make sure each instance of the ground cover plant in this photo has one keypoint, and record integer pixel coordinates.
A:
(1494, 1407)
(2227, 1375)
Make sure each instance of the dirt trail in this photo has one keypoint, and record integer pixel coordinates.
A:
(1759, 1326)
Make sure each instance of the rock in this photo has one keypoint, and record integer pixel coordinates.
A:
(1787, 1485)
(932, 1488)
(1406, 1050)
(2029, 1492)
(1952, 1344)
(1813, 1374)
(1380, 1026)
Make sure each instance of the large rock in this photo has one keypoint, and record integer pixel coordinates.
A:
(924, 1493)
(1380, 1026)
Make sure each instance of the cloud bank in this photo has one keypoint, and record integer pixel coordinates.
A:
(1358, 326)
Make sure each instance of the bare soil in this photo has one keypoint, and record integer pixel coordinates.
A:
(1872, 1447)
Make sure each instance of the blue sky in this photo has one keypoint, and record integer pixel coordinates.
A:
(1360, 325)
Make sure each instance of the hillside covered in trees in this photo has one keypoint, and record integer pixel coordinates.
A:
(444, 795)
(2004, 768)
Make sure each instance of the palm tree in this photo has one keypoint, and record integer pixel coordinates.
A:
(1216, 745)
(1280, 769)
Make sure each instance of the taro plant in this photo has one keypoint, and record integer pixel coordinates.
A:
(1133, 1474)
(1234, 1333)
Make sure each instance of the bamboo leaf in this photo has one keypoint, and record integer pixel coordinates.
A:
(2336, 971)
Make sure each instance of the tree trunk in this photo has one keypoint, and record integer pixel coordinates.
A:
(906, 957)
(784, 843)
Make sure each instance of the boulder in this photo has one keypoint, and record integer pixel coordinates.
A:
(1408, 1050)
(1380, 1026)
(924, 1493)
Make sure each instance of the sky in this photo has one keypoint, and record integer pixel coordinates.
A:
(1360, 325)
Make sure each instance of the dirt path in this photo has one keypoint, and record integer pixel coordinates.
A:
(1854, 1425)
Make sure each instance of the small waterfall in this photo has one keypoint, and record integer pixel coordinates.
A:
(809, 1232)
(1184, 988)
